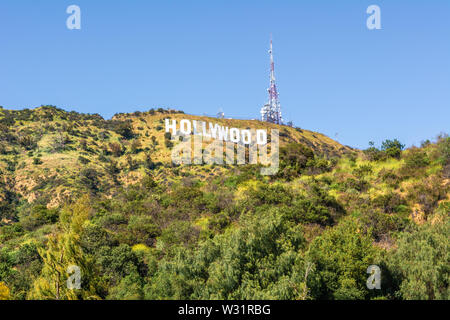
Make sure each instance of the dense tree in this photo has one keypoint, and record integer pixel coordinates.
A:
(421, 263)
(393, 148)
(341, 256)
(262, 261)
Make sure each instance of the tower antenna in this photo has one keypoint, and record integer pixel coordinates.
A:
(271, 112)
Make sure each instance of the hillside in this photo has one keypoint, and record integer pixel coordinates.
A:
(77, 189)
(49, 148)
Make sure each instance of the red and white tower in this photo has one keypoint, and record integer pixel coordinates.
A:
(271, 112)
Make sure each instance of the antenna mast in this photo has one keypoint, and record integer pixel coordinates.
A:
(271, 112)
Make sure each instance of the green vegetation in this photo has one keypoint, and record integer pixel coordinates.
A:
(103, 195)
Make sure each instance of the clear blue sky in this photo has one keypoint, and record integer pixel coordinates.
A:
(334, 75)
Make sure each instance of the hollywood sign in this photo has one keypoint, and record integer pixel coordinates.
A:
(224, 145)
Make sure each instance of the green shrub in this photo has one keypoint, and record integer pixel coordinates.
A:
(294, 159)
(125, 129)
(374, 154)
(83, 160)
(37, 161)
(39, 216)
(416, 159)
(136, 146)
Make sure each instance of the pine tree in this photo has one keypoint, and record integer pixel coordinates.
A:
(63, 251)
